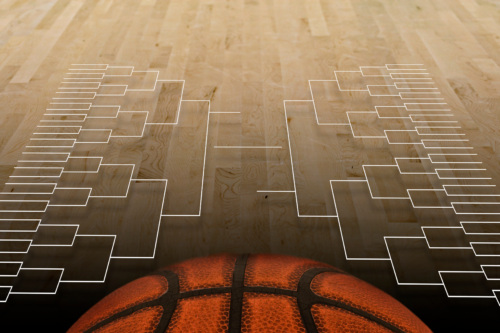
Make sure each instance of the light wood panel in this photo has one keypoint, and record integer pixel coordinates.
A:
(240, 60)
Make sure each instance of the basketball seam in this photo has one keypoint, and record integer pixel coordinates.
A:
(164, 300)
(237, 291)
(168, 300)
(305, 297)
(121, 314)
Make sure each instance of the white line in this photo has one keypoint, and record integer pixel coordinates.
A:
(275, 191)
(248, 147)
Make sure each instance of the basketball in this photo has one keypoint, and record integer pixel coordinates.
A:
(249, 293)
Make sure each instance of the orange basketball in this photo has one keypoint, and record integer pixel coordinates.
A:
(249, 293)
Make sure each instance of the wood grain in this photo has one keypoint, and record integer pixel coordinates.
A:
(240, 60)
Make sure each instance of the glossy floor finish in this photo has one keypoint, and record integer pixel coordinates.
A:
(364, 134)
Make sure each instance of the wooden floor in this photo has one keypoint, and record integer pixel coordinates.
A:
(361, 133)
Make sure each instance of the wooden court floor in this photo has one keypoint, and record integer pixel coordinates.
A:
(361, 133)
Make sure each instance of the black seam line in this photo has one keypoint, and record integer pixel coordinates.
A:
(360, 313)
(164, 300)
(236, 304)
(205, 292)
(356, 313)
(307, 298)
(121, 314)
(168, 300)
(270, 290)
(245, 289)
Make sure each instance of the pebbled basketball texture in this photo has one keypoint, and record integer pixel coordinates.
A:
(249, 293)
